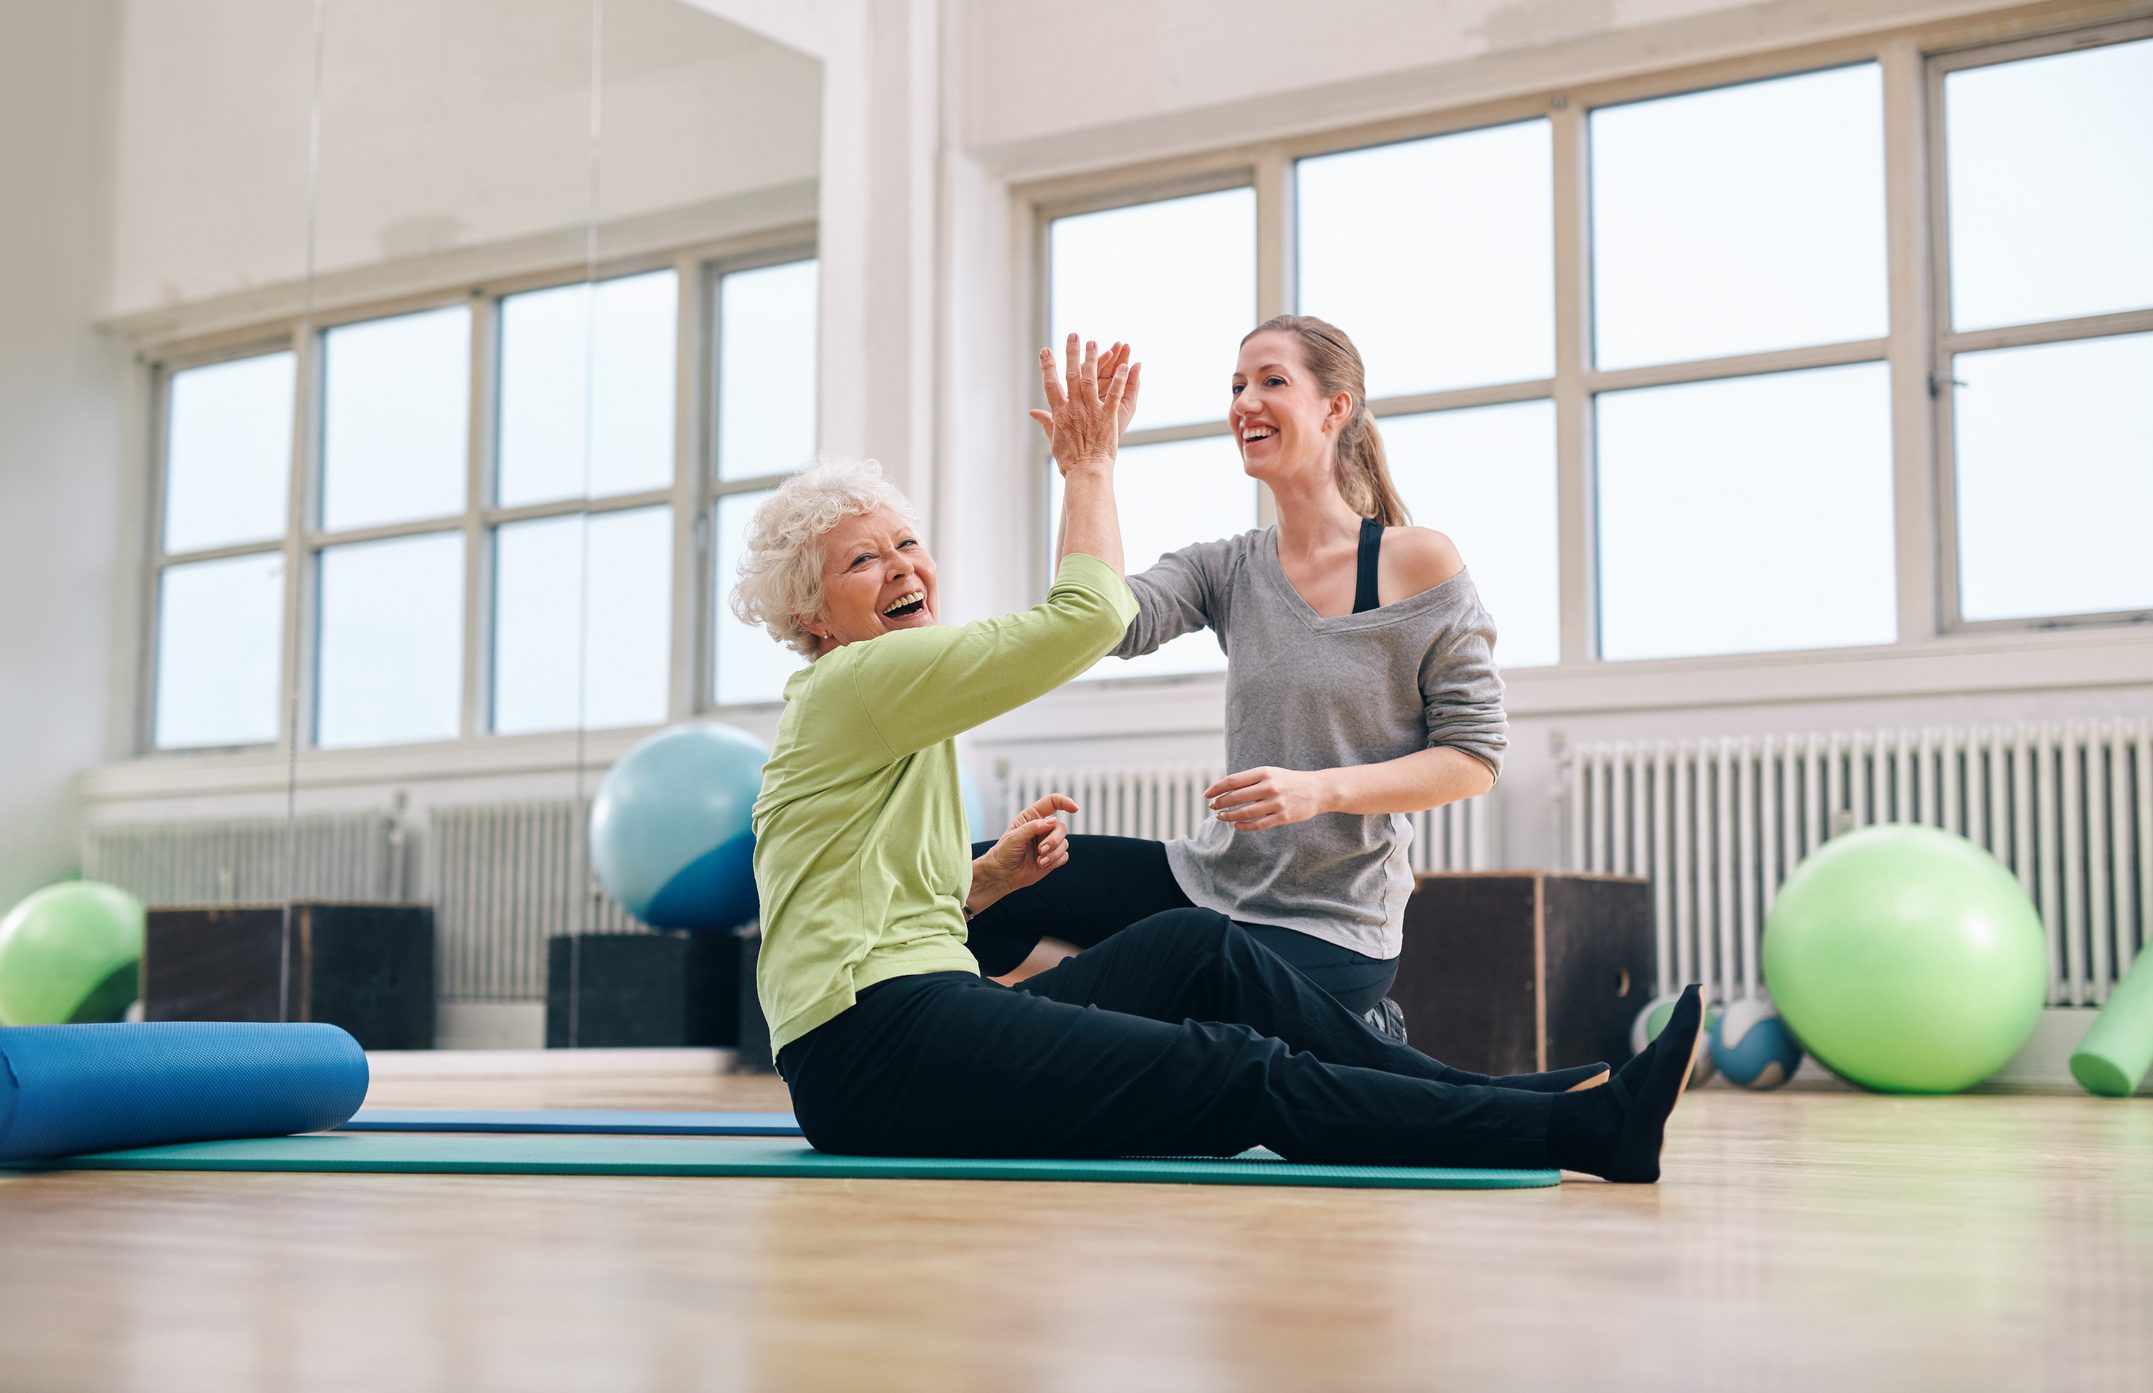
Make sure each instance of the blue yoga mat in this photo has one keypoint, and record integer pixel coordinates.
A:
(66, 1089)
(589, 1122)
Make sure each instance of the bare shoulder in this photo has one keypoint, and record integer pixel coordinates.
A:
(1417, 559)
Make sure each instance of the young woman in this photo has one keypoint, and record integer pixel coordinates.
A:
(1181, 1035)
(1360, 687)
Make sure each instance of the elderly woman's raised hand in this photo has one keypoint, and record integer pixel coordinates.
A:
(1088, 404)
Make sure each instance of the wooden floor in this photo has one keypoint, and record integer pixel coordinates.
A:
(1802, 1240)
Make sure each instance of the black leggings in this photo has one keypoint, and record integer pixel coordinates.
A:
(1110, 883)
(1179, 1036)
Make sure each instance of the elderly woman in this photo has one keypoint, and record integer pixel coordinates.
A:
(1180, 1035)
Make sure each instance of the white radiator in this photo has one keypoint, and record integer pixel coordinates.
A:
(327, 856)
(1163, 802)
(504, 878)
(1719, 824)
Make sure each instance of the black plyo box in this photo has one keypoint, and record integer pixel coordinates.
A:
(642, 990)
(366, 967)
(1515, 972)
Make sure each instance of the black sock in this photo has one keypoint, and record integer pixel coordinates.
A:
(1617, 1131)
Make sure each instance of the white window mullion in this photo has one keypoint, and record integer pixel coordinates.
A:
(692, 572)
(1918, 521)
(1575, 529)
(295, 691)
(477, 713)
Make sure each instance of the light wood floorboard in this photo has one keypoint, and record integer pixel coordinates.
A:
(1802, 1240)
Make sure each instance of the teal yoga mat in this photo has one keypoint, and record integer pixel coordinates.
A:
(585, 1120)
(544, 1154)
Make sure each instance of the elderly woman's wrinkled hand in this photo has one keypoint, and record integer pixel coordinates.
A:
(1088, 404)
(1035, 845)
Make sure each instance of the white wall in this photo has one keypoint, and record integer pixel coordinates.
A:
(62, 392)
(442, 127)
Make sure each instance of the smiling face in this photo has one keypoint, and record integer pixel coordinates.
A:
(877, 577)
(1279, 411)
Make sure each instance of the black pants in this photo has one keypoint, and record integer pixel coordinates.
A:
(1126, 1050)
(1110, 883)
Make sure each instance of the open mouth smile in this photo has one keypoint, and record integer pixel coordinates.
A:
(905, 606)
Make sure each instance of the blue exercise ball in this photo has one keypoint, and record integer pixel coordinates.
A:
(1752, 1047)
(670, 836)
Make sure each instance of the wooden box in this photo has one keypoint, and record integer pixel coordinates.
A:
(642, 990)
(366, 967)
(1514, 972)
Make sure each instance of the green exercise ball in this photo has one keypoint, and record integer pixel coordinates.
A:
(1906, 959)
(69, 954)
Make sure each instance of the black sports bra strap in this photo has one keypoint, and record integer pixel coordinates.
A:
(1364, 589)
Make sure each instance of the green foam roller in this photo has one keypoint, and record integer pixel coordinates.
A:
(2118, 1049)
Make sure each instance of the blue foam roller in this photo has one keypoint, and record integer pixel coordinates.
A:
(67, 1089)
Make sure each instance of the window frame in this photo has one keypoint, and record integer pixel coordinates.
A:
(1950, 343)
(1908, 59)
(714, 489)
(690, 494)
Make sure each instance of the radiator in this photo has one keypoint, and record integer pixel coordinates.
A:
(324, 856)
(1163, 802)
(1719, 824)
(504, 878)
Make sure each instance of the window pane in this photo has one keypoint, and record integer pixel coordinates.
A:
(228, 453)
(1175, 279)
(2055, 478)
(391, 662)
(1437, 257)
(1486, 477)
(546, 378)
(1739, 220)
(1169, 496)
(1746, 515)
(767, 321)
(751, 665)
(623, 646)
(396, 412)
(2051, 186)
(219, 647)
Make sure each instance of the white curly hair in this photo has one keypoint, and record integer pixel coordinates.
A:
(780, 576)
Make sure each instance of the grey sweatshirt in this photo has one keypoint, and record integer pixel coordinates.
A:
(1304, 692)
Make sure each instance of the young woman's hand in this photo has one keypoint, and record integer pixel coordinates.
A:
(1099, 392)
(1035, 845)
(1256, 799)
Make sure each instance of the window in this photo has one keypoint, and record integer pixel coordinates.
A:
(584, 595)
(1746, 514)
(489, 531)
(1485, 476)
(1176, 278)
(396, 402)
(1740, 220)
(588, 367)
(586, 434)
(219, 565)
(2046, 352)
(1437, 256)
(766, 403)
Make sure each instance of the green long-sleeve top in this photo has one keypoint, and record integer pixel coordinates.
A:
(861, 856)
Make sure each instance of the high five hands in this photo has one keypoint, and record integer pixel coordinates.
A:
(1084, 419)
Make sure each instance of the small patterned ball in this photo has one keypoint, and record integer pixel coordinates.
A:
(1753, 1047)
